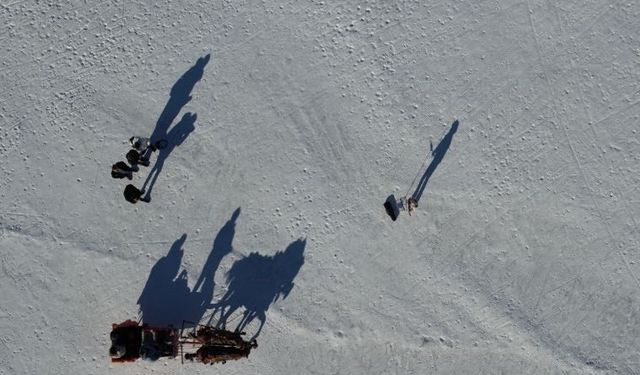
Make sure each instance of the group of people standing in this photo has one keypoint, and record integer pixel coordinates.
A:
(139, 154)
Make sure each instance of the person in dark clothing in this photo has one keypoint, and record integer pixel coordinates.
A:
(126, 339)
(122, 170)
(133, 194)
(134, 157)
(141, 144)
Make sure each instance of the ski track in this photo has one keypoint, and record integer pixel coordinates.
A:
(573, 152)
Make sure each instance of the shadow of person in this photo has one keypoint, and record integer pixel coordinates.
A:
(165, 292)
(174, 138)
(256, 282)
(179, 96)
(202, 292)
(438, 154)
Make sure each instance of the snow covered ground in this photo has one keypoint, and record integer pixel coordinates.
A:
(291, 122)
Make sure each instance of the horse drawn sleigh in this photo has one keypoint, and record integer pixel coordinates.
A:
(131, 341)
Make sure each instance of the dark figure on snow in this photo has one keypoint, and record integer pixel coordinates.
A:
(126, 339)
(122, 170)
(141, 144)
(133, 194)
(135, 158)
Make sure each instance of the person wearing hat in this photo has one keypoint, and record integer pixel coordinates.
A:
(135, 158)
(141, 144)
(132, 194)
(122, 170)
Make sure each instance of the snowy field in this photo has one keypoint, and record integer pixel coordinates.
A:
(289, 123)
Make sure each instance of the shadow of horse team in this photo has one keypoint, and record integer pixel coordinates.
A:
(254, 283)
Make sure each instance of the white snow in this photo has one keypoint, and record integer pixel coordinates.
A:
(522, 258)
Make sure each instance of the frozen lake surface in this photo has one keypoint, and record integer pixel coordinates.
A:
(289, 123)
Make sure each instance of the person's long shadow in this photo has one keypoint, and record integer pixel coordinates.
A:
(174, 138)
(438, 154)
(202, 292)
(179, 96)
(166, 298)
(256, 282)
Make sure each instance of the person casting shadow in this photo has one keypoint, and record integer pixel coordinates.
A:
(438, 154)
(256, 282)
(174, 138)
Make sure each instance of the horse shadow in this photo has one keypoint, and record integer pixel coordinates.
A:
(166, 298)
(256, 282)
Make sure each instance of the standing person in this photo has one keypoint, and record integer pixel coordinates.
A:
(121, 170)
(412, 204)
(141, 144)
(140, 153)
(133, 194)
(134, 158)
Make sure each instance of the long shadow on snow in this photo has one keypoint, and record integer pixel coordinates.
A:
(179, 96)
(166, 298)
(174, 138)
(256, 282)
(438, 154)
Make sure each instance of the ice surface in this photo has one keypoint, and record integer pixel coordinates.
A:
(522, 258)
